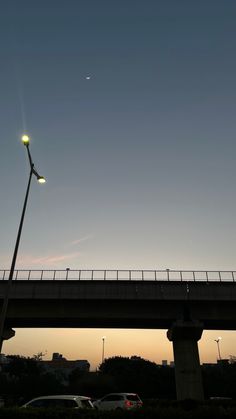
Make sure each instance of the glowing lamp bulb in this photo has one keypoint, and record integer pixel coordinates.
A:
(41, 179)
(25, 139)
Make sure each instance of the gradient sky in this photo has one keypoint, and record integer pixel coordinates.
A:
(139, 159)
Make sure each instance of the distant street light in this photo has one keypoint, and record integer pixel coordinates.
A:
(218, 346)
(103, 348)
(25, 140)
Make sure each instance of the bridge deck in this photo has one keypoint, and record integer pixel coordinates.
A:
(123, 304)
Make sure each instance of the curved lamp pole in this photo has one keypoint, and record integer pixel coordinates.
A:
(25, 140)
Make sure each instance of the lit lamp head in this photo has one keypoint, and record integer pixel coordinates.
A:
(25, 139)
(41, 179)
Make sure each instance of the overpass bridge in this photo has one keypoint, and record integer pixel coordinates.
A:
(184, 302)
(120, 298)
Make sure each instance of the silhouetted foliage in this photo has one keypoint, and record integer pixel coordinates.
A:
(219, 380)
(93, 384)
(138, 375)
(168, 411)
(24, 378)
(20, 366)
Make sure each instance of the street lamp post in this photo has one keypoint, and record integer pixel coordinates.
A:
(218, 346)
(103, 348)
(26, 140)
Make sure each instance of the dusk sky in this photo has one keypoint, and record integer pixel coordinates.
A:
(130, 105)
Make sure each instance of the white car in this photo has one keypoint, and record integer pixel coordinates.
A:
(61, 401)
(114, 401)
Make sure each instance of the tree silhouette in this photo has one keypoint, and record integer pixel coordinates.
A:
(138, 375)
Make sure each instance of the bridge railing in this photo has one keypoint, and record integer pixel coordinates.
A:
(119, 275)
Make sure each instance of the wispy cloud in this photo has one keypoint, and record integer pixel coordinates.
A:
(56, 258)
(78, 241)
(29, 260)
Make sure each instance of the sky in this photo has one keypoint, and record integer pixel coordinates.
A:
(130, 106)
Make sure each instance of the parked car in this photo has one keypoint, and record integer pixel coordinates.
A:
(114, 401)
(61, 401)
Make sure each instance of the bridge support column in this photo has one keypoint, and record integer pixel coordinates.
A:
(7, 334)
(188, 379)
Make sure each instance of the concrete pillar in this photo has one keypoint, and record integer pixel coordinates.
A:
(8, 333)
(188, 378)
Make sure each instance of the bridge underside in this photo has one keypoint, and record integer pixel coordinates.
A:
(117, 314)
(120, 304)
